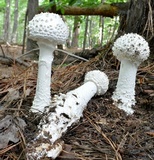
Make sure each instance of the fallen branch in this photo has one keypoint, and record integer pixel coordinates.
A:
(60, 50)
(9, 60)
(70, 54)
(106, 10)
(2, 50)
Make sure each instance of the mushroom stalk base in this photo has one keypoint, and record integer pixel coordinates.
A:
(66, 110)
(43, 96)
(124, 95)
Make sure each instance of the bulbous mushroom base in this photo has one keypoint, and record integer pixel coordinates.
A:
(124, 103)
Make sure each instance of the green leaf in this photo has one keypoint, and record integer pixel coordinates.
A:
(71, 2)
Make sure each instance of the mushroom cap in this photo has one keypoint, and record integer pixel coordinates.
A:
(132, 47)
(48, 26)
(100, 79)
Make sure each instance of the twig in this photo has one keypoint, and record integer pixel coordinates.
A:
(62, 62)
(112, 144)
(8, 148)
(60, 50)
(2, 51)
(123, 141)
(73, 55)
(36, 49)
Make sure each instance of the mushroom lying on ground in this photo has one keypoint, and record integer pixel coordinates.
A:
(66, 110)
(131, 49)
(48, 29)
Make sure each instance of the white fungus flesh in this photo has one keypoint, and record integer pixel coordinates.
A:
(131, 49)
(48, 29)
(69, 109)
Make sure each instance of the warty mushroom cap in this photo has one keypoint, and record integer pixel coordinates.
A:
(100, 79)
(132, 47)
(48, 26)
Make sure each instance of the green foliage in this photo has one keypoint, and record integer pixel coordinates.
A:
(2, 6)
(80, 3)
(86, 3)
(60, 4)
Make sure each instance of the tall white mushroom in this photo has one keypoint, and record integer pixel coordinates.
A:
(48, 29)
(68, 110)
(131, 49)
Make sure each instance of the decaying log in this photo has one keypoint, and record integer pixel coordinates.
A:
(9, 60)
(106, 10)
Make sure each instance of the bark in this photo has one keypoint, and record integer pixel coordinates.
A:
(7, 21)
(85, 33)
(76, 32)
(32, 10)
(90, 39)
(7, 60)
(15, 25)
(101, 29)
(106, 10)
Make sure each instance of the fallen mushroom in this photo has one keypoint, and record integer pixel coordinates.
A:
(131, 49)
(48, 29)
(66, 110)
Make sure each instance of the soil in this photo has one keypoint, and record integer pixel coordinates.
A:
(104, 132)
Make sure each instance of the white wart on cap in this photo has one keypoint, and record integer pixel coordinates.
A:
(100, 79)
(48, 26)
(132, 47)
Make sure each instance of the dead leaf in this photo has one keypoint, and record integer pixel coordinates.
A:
(13, 94)
(150, 133)
(66, 153)
(27, 92)
(9, 130)
(102, 121)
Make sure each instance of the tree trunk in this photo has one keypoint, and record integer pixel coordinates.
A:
(15, 25)
(90, 39)
(76, 31)
(32, 10)
(85, 33)
(139, 19)
(7, 21)
(101, 29)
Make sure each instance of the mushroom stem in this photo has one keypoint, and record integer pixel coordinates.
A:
(78, 99)
(43, 96)
(66, 110)
(124, 94)
(131, 49)
(48, 29)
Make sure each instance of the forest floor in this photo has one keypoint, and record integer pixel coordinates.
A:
(104, 132)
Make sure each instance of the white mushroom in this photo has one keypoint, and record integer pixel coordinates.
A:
(131, 49)
(48, 29)
(68, 110)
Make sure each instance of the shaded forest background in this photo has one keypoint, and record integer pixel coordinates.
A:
(86, 31)
(91, 23)
(104, 131)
